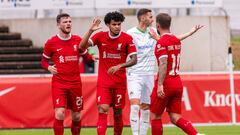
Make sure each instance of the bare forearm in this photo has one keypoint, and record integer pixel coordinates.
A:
(131, 62)
(184, 36)
(162, 71)
(84, 42)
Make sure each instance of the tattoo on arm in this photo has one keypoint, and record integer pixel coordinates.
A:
(162, 70)
(131, 62)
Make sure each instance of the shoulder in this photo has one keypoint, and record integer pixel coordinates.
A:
(126, 35)
(76, 37)
(52, 40)
(132, 30)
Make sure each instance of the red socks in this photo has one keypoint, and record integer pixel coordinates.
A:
(58, 127)
(76, 127)
(102, 124)
(157, 128)
(186, 126)
(118, 124)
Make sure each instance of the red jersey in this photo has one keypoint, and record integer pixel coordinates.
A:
(65, 55)
(112, 51)
(170, 46)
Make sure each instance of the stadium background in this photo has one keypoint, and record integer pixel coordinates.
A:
(204, 63)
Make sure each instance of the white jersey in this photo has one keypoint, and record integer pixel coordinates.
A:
(145, 52)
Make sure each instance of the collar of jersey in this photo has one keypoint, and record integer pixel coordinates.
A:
(114, 37)
(167, 34)
(64, 38)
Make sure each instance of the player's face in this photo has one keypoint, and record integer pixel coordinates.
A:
(148, 19)
(114, 27)
(65, 25)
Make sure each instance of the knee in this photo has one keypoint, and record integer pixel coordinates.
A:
(76, 116)
(103, 108)
(174, 118)
(60, 113)
(145, 106)
(117, 111)
(155, 116)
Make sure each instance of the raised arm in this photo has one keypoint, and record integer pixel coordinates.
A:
(192, 31)
(85, 40)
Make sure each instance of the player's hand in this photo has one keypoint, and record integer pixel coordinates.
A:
(196, 28)
(160, 91)
(52, 69)
(113, 69)
(95, 58)
(153, 34)
(95, 24)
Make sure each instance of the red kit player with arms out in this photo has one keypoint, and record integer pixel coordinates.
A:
(114, 47)
(64, 51)
(167, 92)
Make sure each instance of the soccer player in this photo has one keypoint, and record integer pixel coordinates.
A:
(167, 92)
(64, 51)
(140, 77)
(114, 47)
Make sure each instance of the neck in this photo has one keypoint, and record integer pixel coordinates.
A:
(164, 31)
(64, 35)
(142, 27)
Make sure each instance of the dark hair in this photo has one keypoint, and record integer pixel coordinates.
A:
(142, 11)
(116, 16)
(164, 20)
(61, 15)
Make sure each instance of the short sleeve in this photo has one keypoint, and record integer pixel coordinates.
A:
(161, 50)
(131, 48)
(95, 39)
(47, 51)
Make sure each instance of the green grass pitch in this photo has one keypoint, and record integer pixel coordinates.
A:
(208, 130)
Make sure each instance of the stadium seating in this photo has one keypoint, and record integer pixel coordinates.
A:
(17, 55)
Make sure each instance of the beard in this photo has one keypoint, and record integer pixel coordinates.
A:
(65, 32)
(158, 32)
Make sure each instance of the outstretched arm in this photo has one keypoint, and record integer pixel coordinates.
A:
(192, 31)
(94, 26)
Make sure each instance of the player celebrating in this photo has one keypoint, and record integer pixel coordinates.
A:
(140, 77)
(167, 92)
(114, 47)
(66, 82)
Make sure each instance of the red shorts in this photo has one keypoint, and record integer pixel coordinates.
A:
(114, 97)
(172, 101)
(70, 98)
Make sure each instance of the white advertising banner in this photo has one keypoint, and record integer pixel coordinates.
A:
(157, 3)
(45, 4)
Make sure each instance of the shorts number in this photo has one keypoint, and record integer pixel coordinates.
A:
(175, 65)
(119, 97)
(79, 101)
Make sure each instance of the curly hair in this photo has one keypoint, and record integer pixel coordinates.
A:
(116, 16)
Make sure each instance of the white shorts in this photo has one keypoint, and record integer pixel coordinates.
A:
(140, 87)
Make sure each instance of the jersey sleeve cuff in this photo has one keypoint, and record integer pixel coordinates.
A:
(132, 53)
(90, 40)
(162, 56)
(44, 55)
(83, 52)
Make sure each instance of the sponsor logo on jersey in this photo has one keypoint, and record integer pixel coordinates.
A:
(61, 59)
(103, 44)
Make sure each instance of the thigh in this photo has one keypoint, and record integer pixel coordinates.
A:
(175, 102)
(119, 98)
(104, 96)
(157, 105)
(147, 89)
(134, 85)
(75, 99)
(59, 97)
